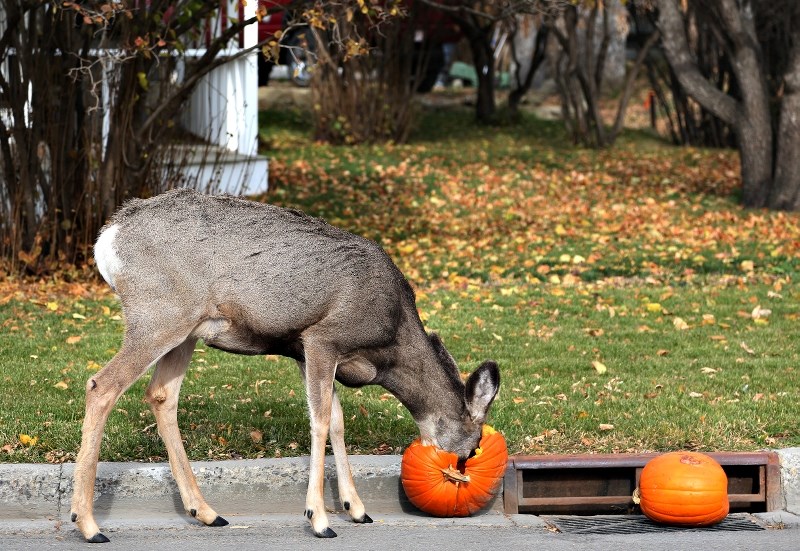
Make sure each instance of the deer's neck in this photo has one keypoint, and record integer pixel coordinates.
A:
(423, 385)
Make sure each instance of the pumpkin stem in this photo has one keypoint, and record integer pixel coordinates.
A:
(637, 496)
(454, 475)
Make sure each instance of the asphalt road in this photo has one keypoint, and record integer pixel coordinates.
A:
(289, 532)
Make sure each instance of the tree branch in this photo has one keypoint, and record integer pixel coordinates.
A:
(207, 63)
(629, 81)
(670, 23)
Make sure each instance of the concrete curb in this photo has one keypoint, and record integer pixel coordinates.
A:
(790, 479)
(39, 495)
(245, 487)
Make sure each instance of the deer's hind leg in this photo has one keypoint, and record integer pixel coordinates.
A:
(162, 395)
(102, 392)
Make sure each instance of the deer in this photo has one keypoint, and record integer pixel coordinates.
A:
(253, 278)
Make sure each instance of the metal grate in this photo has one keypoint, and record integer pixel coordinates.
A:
(638, 524)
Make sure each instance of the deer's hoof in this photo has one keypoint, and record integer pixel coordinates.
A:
(327, 533)
(363, 520)
(98, 538)
(219, 521)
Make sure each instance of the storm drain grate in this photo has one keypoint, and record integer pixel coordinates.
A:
(638, 524)
(602, 484)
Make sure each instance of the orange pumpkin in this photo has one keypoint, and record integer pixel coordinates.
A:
(437, 483)
(684, 488)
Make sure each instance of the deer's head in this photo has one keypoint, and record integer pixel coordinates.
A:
(456, 424)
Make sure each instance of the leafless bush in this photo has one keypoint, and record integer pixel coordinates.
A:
(363, 81)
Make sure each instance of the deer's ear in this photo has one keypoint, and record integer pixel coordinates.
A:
(481, 388)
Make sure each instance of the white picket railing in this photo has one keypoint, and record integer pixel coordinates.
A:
(222, 111)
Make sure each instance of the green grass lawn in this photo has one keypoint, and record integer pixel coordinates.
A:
(631, 304)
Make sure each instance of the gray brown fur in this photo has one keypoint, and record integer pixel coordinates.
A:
(252, 278)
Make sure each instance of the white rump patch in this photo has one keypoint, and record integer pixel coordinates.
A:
(105, 255)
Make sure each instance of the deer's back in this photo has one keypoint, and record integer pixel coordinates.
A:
(273, 272)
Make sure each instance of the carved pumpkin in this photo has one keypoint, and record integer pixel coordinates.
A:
(436, 482)
(684, 488)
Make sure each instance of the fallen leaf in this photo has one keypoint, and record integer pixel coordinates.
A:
(653, 307)
(708, 370)
(695, 395)
(518, 400)
(27, 440)
(61, 385)
(662, 352)
(606, 426)
(747, 348)
(679, 324)
(75, 339)
(599, 367)
(52, 306)
(256, 436)
(760, 313)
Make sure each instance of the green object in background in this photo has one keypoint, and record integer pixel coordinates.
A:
(469, 75)
(465, 72)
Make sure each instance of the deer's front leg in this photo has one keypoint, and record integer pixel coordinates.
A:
(347, 489)
(319, 372)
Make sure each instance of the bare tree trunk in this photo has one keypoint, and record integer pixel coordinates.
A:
(483, 57)
(754, 125)
(581, 70)
(749, 116)
(786, 187)
(516, 95)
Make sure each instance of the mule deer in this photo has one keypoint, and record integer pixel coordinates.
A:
(251, 278)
